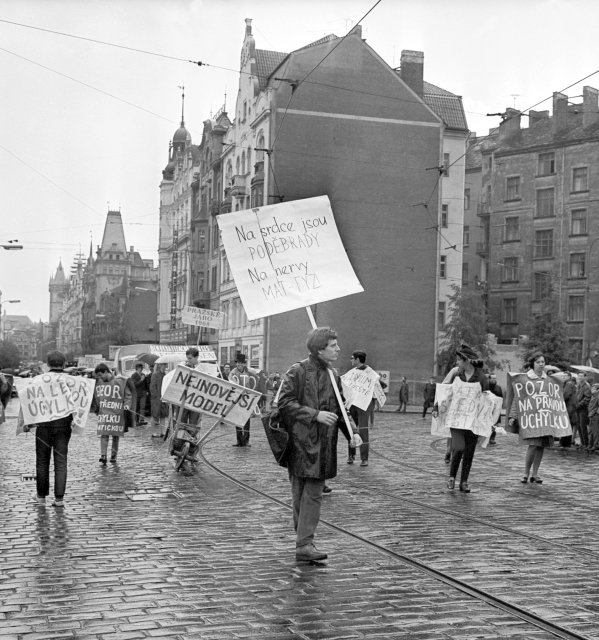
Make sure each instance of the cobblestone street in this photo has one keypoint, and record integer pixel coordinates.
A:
(143, 551)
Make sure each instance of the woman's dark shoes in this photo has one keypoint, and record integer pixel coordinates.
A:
(447, 458)
(103, 459)
(525, 480)
(464, 487)
(451, 483)
(536, 480)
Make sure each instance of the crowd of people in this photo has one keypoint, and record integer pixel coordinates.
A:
(313, 411)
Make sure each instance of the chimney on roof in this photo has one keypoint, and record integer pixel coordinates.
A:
(131, 249)
(536, 116)
(590, 108)
(560, 111)
(412, 70)
(248, 26)
(511, 124)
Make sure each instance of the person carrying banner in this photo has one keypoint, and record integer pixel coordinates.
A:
(429, 396)
(248, 378)
(312, 416)
(139, 380)
(52, 437)
(535, 365)
(360, 416)
(114, 399)
(469, 368)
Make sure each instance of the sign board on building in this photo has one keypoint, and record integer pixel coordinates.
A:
(90, 361)
(202, 317)
(286, 256)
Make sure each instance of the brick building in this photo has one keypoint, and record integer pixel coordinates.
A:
(540, 188)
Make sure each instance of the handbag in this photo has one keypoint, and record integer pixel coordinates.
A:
(276, 434)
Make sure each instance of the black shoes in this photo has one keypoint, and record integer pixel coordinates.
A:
(350, 459)
(536, 480)
(451, 483)
(103, 459)
(327, 489)
(464, 487)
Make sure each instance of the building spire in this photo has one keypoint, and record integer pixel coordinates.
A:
(182, 87)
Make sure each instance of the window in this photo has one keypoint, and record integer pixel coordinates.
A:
(546, 164)
(441, 315)
(443, 267)
(541, 285)
(577, 265)
(545, 203)
(575, 308)
(512, 229)
(446, 163)
(510, 269)
(512, 188)
(579, 222)
(255, 356)
(466, 199)
(466, 235)
(464, 273)
(543, 243)
(580, 179)
(444, 215)
(509, 311)
(213, 286)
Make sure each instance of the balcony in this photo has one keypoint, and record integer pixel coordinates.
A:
(482, 249)
(483, 209)
(239, 187)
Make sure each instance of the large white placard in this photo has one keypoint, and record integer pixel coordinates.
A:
(202, 317)
(358, 386)
(286, 256)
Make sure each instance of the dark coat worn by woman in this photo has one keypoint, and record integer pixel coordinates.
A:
(306, 390)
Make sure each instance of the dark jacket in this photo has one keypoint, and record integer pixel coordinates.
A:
(159, 408)
(306, 390)
(583, 395)
(570, 397)
(429, 391)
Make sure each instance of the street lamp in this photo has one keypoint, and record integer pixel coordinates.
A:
(1, 315)
(586, 302)
(12, 245)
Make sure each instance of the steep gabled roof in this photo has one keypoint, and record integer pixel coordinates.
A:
(446, 105)
(266, 63)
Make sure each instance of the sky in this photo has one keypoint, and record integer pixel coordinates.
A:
(85, 127)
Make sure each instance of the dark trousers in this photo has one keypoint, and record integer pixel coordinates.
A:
(362, 420)
(583, 422)
(306, 494)
(463, 444)
(243, 434)
(50, 439)
(426, 405)
(140, 406)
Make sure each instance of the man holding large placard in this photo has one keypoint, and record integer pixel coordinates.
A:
(113, 399)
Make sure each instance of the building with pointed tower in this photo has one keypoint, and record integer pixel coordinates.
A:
(58, 288)
(179, 189)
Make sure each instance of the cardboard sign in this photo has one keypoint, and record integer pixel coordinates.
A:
(286, 256)
(56, 395)
(111, 402)
(218, 398)
(89, 361)
(463, 405)
(358, 387)
(540, 406)
(202, 317)
(379, 394)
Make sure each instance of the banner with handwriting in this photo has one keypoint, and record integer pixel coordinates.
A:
(110, 397)
(359, 387)
(286, 256)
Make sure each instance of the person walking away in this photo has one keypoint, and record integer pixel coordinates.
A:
(360, 416)
(242, 375)
(594, 419)
(536, 446)
(495, 389)
(583, 397)
(147, 413)
(52, 439)
(120, 394)
(159, 408)
(469, 368)
(312, 416)
(429, 395)
(138, 378)
(570, 400)
(404, 393)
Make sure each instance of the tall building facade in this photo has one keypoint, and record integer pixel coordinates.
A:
(539, 203)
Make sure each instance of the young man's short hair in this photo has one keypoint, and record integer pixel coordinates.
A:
(56, 359)
(359, 355)
(139, 365)
(101, 368)
(319, 339)
(193, 352)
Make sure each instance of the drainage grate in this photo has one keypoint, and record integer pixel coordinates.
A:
(137, 496)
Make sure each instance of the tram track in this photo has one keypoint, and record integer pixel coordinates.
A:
(461, 586)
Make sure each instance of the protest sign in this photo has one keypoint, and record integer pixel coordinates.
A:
(202, 317)
(540, 406)
(286, 256)
(50, 396)
(379, 394)
(358, 387)
(89, 361)
(111, 407)
(462, 405)
(221, 399)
